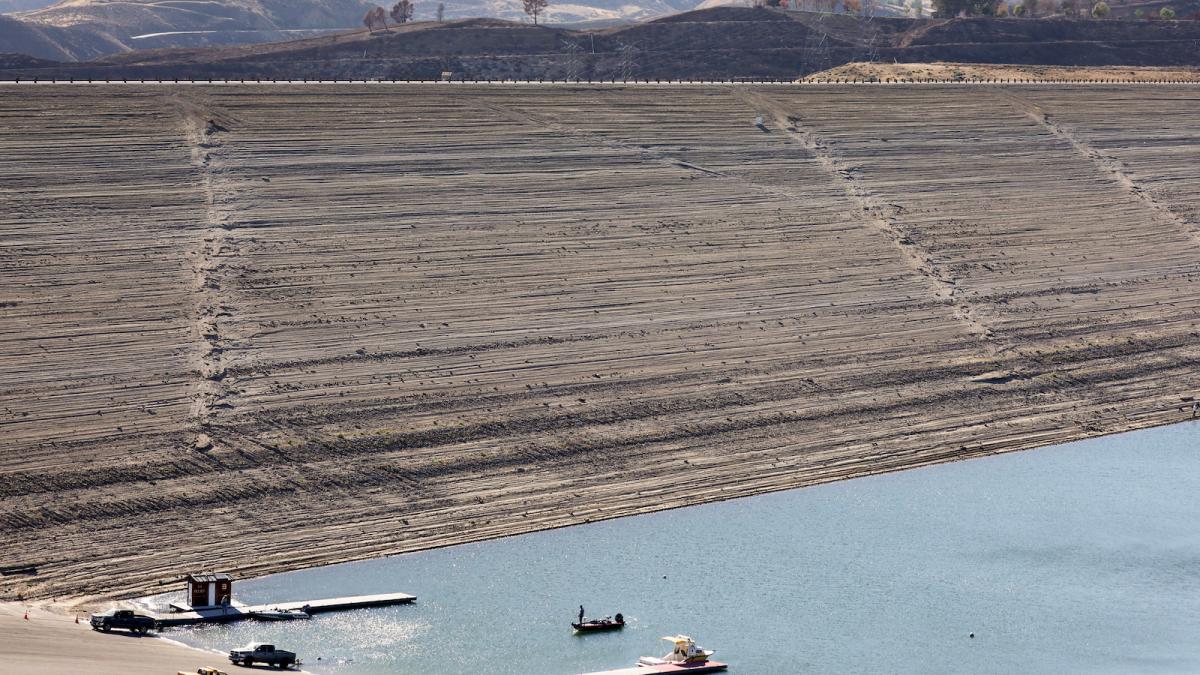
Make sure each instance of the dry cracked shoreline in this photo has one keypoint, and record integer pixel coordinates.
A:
(263, 328)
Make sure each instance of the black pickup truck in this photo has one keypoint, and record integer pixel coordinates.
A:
(258, 652)
(122, 618)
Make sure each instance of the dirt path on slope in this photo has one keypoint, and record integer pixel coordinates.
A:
(203, 128)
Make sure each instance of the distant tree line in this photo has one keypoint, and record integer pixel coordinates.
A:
(913, 8)
(401, 12)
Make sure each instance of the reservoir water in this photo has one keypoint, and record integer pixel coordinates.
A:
(1080, 558)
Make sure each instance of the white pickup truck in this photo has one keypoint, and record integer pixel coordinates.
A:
(258, 652)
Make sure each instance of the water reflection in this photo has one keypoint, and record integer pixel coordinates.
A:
(1079, 558)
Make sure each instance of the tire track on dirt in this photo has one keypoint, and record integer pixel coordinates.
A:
(1027, 379)
(1110, 166)
(944, 286)
(528, 119)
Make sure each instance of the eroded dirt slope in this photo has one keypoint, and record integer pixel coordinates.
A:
(257, 328)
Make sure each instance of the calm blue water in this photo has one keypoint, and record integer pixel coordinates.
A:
(1082, 558)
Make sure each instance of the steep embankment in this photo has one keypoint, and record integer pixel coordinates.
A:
(258, 328)
(1058, 42)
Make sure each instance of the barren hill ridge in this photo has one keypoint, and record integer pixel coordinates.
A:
(719, 43)
(148, 24)
(134, 17)
(55, 43)
(83, 29)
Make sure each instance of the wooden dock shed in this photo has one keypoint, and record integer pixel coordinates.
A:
(209, 589)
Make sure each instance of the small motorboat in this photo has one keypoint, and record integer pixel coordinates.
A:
(278, 614)
(685, 653)
(596, 625)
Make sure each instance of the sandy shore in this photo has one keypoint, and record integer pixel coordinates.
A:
(260, 328)
(51, 643)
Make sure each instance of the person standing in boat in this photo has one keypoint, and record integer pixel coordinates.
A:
(581, 614)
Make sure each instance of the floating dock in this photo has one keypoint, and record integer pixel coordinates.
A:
(183, 615)
(706, 667)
